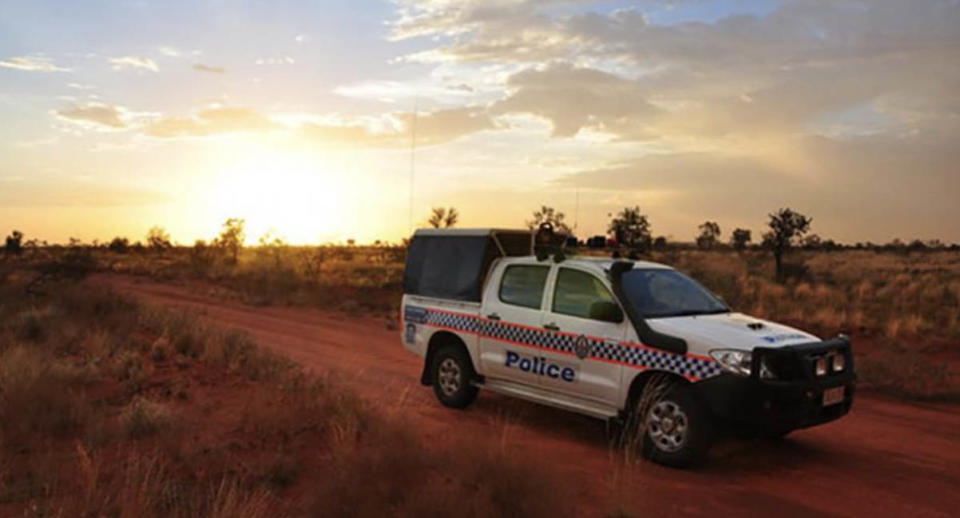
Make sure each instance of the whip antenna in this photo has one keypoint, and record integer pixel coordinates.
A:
(413, 155)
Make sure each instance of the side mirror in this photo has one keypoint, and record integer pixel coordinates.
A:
(606, 311)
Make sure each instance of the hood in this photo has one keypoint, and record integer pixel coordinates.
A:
(729, 331)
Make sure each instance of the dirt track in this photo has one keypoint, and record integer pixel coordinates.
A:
(886, 458)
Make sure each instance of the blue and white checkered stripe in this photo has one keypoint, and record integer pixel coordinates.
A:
(633, 355)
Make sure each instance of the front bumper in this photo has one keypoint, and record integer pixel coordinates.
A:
(794, 400)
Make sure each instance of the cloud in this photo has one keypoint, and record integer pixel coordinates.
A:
(32, 64)
(394, 91)
(99, 116)
(574, 98)
(169, 52)
(209, 69)
(395, 129)
(804, 62)
(387, 130)
(284, 60)
(210, 122)
(301, 38)
(133, 62)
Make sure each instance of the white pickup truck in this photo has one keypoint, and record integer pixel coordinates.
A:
(588, 334)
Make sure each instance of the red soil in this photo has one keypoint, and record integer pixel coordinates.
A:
(887, 458)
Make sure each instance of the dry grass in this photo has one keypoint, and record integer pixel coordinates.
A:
(108, 408)
(349, 278)
(889, 294)
(856, 291)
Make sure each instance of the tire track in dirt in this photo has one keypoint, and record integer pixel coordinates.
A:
(887, 458)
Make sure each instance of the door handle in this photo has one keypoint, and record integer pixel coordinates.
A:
(551, 326)
(493, 316)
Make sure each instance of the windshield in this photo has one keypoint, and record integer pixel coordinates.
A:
(658, 293)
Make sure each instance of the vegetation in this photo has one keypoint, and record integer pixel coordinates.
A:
(110, 408)
(552, 216)
(740, 238)
(900, 302)
(443, 218)
(631, 228)
(14, 243)
(232, 237)
(158, 239)
(709, 235)
(786, 228)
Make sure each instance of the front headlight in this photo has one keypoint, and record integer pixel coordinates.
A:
(733, 360)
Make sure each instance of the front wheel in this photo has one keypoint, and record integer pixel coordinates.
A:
(678, 429)
(452, 377)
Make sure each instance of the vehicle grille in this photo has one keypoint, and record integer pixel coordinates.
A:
(799, 362)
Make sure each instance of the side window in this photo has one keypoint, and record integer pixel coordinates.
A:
(577, 291)
(522, 285)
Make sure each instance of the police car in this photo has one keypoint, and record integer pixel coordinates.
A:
(487, 309)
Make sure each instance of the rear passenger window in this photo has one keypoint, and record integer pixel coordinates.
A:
(522, 285)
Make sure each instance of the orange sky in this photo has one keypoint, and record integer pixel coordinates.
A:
(298, 116)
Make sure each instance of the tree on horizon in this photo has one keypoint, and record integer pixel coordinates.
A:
(631, 228)
(443, 218)
(787, 227)
(549, 215)
(709, 235)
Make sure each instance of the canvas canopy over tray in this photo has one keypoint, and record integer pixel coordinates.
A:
(453, 263)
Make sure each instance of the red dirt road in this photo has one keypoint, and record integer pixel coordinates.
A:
(887, 458)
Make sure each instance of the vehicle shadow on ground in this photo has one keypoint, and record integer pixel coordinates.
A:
(729, 454)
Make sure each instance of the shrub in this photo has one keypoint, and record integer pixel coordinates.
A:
(36, 399)
(143, 417)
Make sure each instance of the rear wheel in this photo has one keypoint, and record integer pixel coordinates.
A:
(452, 377)
(678, 429)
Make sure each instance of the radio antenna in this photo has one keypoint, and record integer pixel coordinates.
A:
(413, 155)
(576, 214)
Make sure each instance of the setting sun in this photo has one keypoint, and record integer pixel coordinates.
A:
(290, 196)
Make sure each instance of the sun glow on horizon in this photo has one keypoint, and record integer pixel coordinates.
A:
(291, 196)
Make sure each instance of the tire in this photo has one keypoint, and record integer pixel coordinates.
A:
(452, 377)
(678, 428)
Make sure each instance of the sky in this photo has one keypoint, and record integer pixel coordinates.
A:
(310, 119)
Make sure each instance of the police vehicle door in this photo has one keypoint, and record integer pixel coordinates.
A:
(584, 317)
(512, 308)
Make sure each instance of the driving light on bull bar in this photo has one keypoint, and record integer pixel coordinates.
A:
(733, 360)
(766, 373)
(820, 366)
(839, 362)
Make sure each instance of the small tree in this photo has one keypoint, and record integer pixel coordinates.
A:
(202, 256)
(551, 216)
(73, 264)
(709, 234)
(273, 247)
(786, 228)
(231, 237)
(740, 238)
(14, 244)
(119, 245)
(631, 228)
(443, 218)
(158, 239)
(812, 242)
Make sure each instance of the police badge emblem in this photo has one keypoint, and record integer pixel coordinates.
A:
(582, 347)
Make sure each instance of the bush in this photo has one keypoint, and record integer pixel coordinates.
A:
(142, 417)
(36, 399)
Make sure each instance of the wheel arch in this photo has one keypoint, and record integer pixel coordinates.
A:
(437, 340)
(641, 379)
